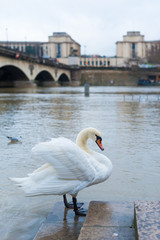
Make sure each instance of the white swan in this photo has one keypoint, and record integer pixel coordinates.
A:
(70, 168)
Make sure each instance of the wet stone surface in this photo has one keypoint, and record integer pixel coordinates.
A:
(110, 214)
(147, 218)
(61, 223)
(104, 233)
(109, 220)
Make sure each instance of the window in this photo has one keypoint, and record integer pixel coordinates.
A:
(88, 63)
(22, 48)
(92, 63)
(30, 50)
(81, 63)
(96, 63)
(133, 50)
(58, 50)
(41, 51)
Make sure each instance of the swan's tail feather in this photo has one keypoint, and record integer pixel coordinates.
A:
(18, 181)
(43, 181)
(50, 186)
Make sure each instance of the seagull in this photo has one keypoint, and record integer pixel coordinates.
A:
(13, 139)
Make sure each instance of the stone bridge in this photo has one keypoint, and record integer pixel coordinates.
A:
(20, 70)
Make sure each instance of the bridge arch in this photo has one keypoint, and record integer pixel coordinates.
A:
(11, 76)
(45, 79)
(63, 80)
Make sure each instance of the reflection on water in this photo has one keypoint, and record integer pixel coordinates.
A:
(129, 119)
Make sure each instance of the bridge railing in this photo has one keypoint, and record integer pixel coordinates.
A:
(11, 53)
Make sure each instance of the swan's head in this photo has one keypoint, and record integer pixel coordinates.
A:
(91, 133)
(95, 135)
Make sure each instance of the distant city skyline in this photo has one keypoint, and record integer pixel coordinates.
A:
(95, 25)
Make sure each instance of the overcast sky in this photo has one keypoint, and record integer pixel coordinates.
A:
(95, 24)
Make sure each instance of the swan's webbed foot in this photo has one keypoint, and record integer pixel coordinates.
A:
(80, 212)
(70, 204)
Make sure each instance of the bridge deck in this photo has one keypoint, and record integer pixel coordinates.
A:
(11, 53)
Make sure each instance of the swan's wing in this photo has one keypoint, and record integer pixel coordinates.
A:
(69, 160)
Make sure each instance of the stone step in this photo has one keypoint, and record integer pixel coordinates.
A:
(109, 220)
(60, 224)
(147, 220)
(104, 220)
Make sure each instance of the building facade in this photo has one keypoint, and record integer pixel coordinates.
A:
(132, 46)
(98, 61)
(60, 45)
(32, 48)
(133, 50)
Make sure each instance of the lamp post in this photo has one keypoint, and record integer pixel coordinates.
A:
(85, 54)
(25, 45)
(84, 49)
(7, 36)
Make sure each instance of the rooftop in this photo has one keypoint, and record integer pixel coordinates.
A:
(60, 34)
(133, 33)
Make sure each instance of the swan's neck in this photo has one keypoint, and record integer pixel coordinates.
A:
(81, 141)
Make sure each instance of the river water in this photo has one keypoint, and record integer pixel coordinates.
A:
(129, 120)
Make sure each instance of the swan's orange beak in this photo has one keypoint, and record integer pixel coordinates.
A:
(99, 143)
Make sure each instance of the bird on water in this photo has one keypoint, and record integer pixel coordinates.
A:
(14, 139)
(69, 168)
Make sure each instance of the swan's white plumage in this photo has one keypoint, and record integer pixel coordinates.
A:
(69, 168)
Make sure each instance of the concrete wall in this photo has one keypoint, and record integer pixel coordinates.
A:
(116, 77)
